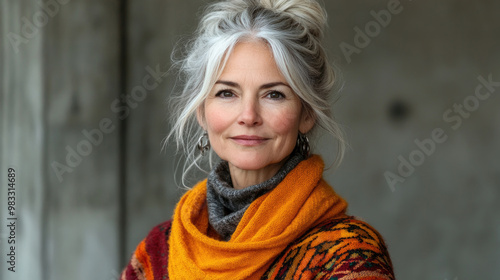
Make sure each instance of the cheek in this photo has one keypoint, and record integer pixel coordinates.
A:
(215, 120)
(286, 122)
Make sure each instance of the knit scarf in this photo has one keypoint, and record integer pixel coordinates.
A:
(227, 205)
(274, 220)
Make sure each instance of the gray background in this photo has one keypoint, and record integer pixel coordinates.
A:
(76, 59)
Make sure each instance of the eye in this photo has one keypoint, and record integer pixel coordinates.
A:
(275, 95)
(225, 93)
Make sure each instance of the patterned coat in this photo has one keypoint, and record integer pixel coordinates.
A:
(339, 249)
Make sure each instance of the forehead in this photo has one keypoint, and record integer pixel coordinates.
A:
(252, 59)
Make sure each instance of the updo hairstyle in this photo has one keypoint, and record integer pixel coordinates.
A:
(293, 29)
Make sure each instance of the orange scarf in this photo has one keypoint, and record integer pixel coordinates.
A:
(302, 200)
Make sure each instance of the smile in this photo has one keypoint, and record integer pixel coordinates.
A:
(249, 140)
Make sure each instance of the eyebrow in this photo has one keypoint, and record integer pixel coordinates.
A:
(264, 86)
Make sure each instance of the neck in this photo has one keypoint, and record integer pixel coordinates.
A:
(244, 178)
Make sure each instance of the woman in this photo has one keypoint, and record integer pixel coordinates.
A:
(256, 84)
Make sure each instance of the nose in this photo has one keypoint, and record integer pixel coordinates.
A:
(250, 113)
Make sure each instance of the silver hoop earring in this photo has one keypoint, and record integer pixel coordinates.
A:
(303, 145)
(203, 143)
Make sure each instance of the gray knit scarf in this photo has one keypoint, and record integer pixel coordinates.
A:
(227, 205)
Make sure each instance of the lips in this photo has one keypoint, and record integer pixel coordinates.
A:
(249, 140)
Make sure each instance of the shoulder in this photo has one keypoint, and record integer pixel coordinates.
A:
(159, 233)
(338, 248)
(155, 244)
(150, 258)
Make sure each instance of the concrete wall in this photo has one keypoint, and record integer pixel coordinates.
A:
(420, 116)
(441, 220)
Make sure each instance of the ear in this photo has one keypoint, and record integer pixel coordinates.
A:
(307, 121)
(200, 116)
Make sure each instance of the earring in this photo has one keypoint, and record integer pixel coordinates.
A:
(203, 143)
(303, 145)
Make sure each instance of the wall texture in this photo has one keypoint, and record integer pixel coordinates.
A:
(412, 78)
(83, 96)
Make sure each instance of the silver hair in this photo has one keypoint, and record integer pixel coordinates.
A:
(293, 29)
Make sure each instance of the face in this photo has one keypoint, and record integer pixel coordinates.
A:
(252, 116)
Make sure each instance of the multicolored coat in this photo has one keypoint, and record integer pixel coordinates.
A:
(340, 249)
